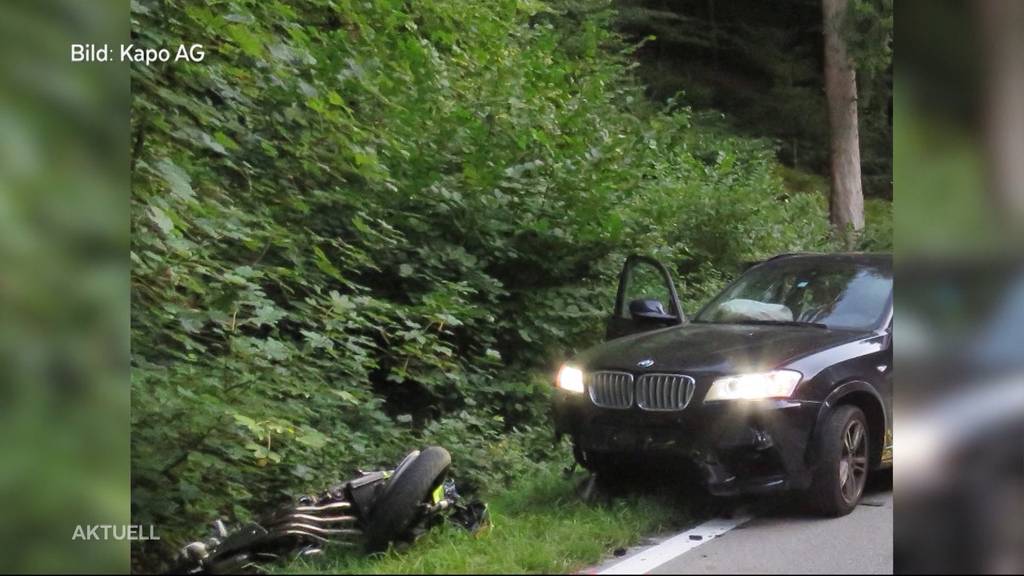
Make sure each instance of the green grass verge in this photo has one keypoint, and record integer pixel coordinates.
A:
(539, 525)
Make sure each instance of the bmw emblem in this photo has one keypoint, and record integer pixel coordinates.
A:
(645, 363)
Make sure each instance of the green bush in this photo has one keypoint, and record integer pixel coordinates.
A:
(877, 233)
(358, 227)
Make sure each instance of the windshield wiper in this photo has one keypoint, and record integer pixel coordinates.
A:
(782, 323)
(767, 323)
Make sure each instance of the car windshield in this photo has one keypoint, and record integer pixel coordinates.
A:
(833, 294)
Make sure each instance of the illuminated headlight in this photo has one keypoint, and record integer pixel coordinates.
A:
(777, 384)
(570, 379)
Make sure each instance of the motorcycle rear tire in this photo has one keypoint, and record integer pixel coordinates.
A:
(398, 508)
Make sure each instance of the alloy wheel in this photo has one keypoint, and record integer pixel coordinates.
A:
(853, 463)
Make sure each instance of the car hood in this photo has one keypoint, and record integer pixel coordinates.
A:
(720, 348)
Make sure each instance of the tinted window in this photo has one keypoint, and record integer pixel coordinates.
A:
(843, 295)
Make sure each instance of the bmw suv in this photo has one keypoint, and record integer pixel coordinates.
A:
(782, 382)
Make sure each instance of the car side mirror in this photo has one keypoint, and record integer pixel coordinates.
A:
(649, 309)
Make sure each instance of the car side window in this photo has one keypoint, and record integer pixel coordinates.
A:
(645, 282)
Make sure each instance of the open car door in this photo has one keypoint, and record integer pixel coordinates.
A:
(646, 299)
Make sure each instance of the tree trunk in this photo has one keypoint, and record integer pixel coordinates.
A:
(846, 204)
(714, 32)
(1001, 32)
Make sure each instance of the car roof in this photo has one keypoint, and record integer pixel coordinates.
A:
(868, 258)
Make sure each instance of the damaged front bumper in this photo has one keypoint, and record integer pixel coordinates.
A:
(737, 447)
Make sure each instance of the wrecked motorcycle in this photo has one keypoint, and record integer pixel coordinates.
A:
(373, 509)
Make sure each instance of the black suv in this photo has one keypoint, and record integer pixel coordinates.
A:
(782, 382)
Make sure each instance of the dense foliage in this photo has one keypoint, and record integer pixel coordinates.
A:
(358, 227)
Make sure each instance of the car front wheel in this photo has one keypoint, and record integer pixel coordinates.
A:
(843, 467)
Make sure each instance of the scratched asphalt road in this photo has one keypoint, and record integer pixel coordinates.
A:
(782, 540)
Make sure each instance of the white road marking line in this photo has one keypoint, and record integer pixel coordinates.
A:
(655, 556)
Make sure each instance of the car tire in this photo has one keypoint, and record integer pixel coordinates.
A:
(844, 448)
(398, 507)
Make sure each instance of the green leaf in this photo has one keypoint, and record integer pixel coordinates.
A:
(347, 396)
(312, 438)
(246, 40)
(325, 265)
(177, 180)
(161, 219)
